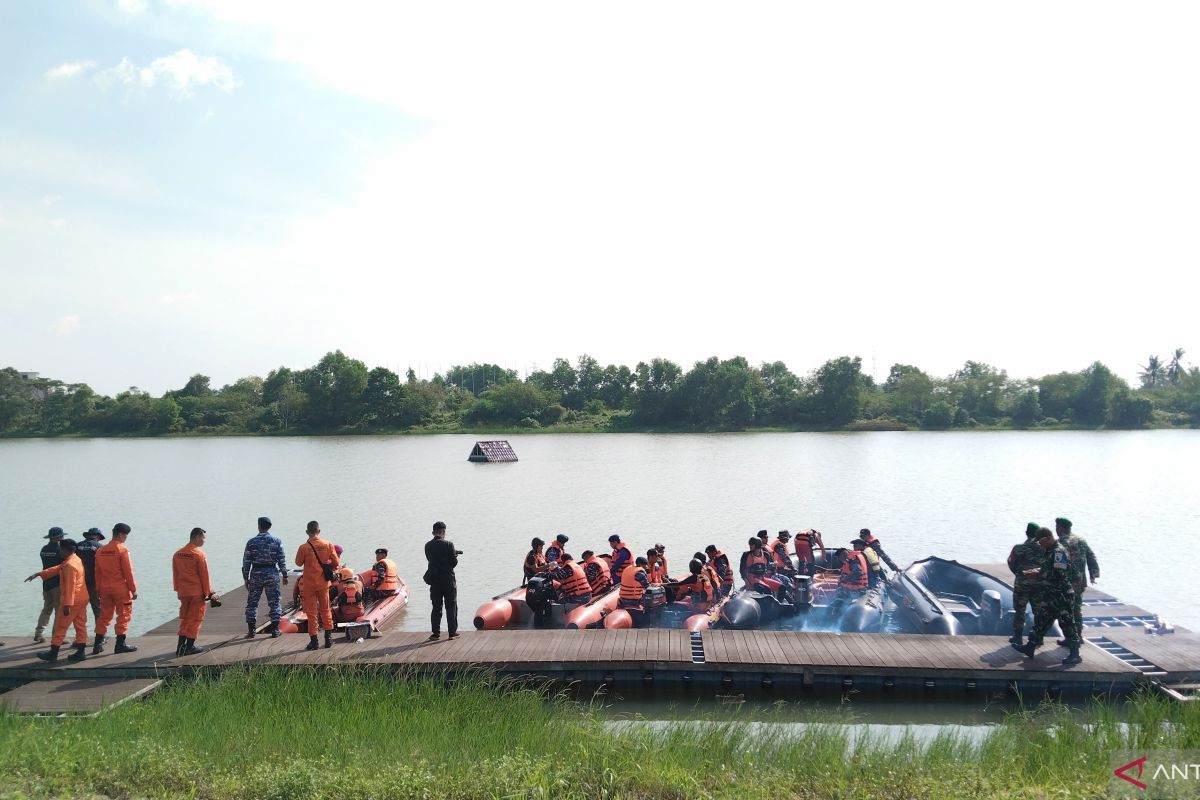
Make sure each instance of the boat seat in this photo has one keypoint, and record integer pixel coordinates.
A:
(359, 629)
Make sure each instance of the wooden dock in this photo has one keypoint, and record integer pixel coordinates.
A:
(1118, 657)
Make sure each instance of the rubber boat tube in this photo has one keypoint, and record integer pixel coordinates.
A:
(376, 612)
(979, 603)
(865, 613)
(498, 612)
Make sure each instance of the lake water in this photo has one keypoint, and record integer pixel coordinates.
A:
(958, 495)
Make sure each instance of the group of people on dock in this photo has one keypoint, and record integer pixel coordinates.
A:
(1051, 572)
(78, 575)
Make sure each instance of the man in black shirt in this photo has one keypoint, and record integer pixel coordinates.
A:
(50, 591)
(443, 589)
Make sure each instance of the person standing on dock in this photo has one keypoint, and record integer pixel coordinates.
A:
(320, 562)
(1083, 559)
(73, 602)
(189, 575)
(1053, 599)
(1022, 559)
(114, 581)
(86, 550)
(51, 557)
(443, 588)
(264, 566)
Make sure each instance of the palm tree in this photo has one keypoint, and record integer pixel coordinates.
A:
(1175, 368)
(1152, 373)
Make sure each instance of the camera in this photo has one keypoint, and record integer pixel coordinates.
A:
(458, 552)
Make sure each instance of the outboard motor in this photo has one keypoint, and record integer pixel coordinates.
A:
(991, 612)
(539, 594)
(803, 591)
(741, 612)
(654, 597)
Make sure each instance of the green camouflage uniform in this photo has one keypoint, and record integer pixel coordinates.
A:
(1081, 554)
(1027, 555)
(1054, 597)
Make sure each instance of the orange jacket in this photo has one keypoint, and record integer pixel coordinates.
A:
(72, 583)
(189, 572)
(311, 558)
(114, 572)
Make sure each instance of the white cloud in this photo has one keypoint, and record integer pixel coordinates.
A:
(180, 73)
(67, 325)
(70, 69)
(184, 298)
(132, 6)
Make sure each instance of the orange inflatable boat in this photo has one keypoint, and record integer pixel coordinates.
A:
(373, 618)
(536, 605)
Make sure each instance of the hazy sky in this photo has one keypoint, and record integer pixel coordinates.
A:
(226, 186)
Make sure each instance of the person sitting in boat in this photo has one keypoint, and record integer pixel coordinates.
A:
(720, 564)
(756, 564)
(351, 599)
(384, 576)
(874, 567)
(875, 548)
(596, 572)
(556, 548)
(634, 584)
(710, 572)
(535, 562)
(779, 552)
(852, 581)
(662, 560)
(334, 588)
(804, 542)
(765, 539)
(622, 557)
(654, 570)
(571, 581)
(697, 590)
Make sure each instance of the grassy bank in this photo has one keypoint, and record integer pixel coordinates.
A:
(363, 734)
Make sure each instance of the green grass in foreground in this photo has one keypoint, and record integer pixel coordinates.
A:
(326, 733)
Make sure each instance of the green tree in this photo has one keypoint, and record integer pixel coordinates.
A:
(1027, 410)
(938, 416)
(980, 388)
(838, 383)
(1129, 410)
(509, 404)
(197, 386)
(909, 392)
(17, 411)
(784, 394)
(722, 394)
(654, 382)
(616, 386)
(1094, 400)
(1151, 374)
(1057, 393)
(1175, 369)
(383, 398)
(478, 378)
(334, 388)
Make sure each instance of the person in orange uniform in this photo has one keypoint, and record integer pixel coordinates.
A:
(114, 582)
(315, 556)
(189, 575)
(72, 602)
(720, 563)
(806, 539)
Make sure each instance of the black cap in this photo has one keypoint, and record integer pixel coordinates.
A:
(614, 538)
(121, 527)
(641, 561)
(561, 538)
(264, 522)
(55, 533)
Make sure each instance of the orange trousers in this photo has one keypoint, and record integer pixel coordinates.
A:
(124, 613)
(191, 615)
(77, 617)
(314, 603)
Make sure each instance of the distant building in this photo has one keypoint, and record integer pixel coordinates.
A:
(30, 376)
(490, 452)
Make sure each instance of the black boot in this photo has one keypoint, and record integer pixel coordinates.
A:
(312, 643)
(1016, 638)
(122, 647)
(275, 629)
(1061, 642)
(251, 629)
(1028, 649)
(190, 649)
(328, 639)
(50, 655)
(1073, 657)
(179, 646)
(98, 644)
(79, 654)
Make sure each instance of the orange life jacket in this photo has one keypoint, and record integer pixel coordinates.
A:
(351, 594)
(534, 563)
(720, 562)
(597, 574)
(804, 546)
(711, 573)
(698, 589)
(848, 579)
(631, 590)
(758, 561)
(617, 548)
(391, 580)
(656, 573)
(779, 552)
(577, 585)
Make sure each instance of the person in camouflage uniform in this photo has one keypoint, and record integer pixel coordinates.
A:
(1024, 556)
(263, 566)
(1053, 598)
(1081, 555)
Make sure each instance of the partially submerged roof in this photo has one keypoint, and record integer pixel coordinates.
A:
(488, 452)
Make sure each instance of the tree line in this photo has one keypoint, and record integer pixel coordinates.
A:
(340, 394)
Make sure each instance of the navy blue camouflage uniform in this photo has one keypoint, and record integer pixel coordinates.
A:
(262, 564)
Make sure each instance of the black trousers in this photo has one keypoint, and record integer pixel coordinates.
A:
(439, 594)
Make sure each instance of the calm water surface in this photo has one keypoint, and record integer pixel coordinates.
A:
(957, 495)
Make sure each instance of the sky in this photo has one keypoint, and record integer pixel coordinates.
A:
(223, 187)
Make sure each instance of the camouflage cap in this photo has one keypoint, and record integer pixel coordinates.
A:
(1031, 528)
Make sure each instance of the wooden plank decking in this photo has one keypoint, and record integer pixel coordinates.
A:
(76, 695)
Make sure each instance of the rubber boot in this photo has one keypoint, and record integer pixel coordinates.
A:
(179, 646)
(79, 654)
(122, 647)
(328, 639)
(312, 643)
(190, 649)
(1073, 657)
(250, 630)
(275, 633)
(51, 655)
(98, 644)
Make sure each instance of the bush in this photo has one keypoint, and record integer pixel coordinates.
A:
(552, 414)
(938, 416)
(529, 422)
